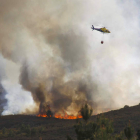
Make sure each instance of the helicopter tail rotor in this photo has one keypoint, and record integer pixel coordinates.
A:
(92, 27)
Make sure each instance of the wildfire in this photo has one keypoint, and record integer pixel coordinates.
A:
(66, 116)
(44, 113)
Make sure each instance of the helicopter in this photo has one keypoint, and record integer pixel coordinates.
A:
(103, 30)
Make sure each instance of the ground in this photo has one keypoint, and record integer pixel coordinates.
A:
(57, 129)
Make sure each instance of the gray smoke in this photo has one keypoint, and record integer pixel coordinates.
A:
(53, 57)
(3, 100)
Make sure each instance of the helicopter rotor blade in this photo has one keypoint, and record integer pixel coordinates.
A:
(101, 25)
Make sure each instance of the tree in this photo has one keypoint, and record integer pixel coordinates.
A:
(49, 113)
(86, 112)
(86, 130)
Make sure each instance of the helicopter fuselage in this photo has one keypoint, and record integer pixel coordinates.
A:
(103, 30)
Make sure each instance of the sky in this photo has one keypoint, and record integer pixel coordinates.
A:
(49, 54)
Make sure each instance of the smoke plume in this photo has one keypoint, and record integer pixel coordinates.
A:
(52, 57)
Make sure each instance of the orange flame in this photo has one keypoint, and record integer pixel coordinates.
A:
(43, 115)
(66, 116)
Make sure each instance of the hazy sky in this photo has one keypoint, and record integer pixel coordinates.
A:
(49, 44)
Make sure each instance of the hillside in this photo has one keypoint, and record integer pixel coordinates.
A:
(57, 129)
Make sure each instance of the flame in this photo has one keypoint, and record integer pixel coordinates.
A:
(66, 116)
(43, 115)
(59, 116)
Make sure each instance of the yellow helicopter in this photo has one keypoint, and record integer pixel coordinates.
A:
(103, 30)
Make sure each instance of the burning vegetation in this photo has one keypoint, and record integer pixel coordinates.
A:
(49, 114)
(45, 111)
(59, 116)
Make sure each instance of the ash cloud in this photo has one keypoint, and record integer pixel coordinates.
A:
(59, 61)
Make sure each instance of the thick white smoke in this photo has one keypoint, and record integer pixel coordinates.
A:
(52, 55)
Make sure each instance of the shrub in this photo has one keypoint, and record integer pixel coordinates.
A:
(11, 133)
(33, 131)
(41, 129)
(25, 129)
(18, 132)
(3, 130)
(28, 130)
(69, 138)
(138, 134)
(126, 106)
(85, 131)
(105, 123)
(120, 136)
(22, 128)
(129, 131)
(104, 129)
